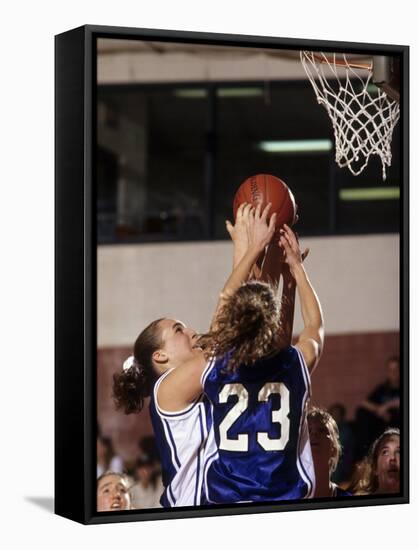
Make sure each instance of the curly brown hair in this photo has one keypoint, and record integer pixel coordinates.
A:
(247, 326)
(132, 386)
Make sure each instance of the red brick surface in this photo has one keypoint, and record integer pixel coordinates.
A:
(351, 366)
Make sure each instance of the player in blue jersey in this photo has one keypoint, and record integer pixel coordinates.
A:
(259, 388)
(167, 365)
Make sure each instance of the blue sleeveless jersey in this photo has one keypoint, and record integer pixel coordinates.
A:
(182, 439)
(261, 437)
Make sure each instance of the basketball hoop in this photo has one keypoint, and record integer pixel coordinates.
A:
(362, 115)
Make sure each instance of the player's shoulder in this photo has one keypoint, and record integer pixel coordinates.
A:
(290, 351)
(219, 364)
(289, 354)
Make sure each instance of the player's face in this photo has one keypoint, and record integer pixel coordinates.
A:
(388, 465)
(112, 494)
(320, 440)
(179, 341)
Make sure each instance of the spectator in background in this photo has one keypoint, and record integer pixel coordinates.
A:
(384, 401)
(106, 458)
(148, 488)
(113, 492)
(344, 467)
(380, 410)
(326, 450)
(379, 472)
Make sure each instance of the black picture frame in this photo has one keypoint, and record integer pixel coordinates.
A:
(75, 270)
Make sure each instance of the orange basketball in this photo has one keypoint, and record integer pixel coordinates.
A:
(264, 188)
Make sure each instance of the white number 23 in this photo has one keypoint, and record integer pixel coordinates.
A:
(279, 416)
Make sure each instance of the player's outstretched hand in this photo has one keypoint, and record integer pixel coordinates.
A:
(260, 229)
(288, 242)
(238, 231)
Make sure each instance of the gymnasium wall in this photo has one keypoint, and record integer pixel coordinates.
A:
(233, 64)
(356, 279)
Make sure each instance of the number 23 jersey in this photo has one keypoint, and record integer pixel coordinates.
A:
(262, 451)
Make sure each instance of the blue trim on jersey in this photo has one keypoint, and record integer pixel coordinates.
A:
(198, 458)
(308, 479)
(172, 441)
(306, 379)
(169, 489)
(207, 370)
(168, 413)
(164, 501)
(165, 449)
(206, 467)
(304, 369)
(181, 413)
(208, 410)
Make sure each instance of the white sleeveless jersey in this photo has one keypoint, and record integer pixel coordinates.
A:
(183, 439)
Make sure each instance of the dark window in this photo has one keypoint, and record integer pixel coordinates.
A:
(379, 211)
(170, 158)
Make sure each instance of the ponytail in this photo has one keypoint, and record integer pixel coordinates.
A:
(135, 383)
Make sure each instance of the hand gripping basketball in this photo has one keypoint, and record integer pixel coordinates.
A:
(263, 189)
(289, 243)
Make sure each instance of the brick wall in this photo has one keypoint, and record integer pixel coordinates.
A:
(351, 366)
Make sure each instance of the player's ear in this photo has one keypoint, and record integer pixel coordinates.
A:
(160, 357)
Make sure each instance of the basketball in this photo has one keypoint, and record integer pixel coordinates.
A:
(265, 188)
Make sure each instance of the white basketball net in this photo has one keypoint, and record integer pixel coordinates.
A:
(363, 124)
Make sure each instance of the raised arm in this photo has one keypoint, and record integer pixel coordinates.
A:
(287, 305)
(259, 234)
(275, 268)
(310, 341)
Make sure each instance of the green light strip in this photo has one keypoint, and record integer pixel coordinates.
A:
(199, 93)
(239, 92)
(191, 93)
(370, 194)
(296, 146)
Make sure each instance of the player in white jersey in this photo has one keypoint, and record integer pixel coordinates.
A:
(184, 439)
(181, 423)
